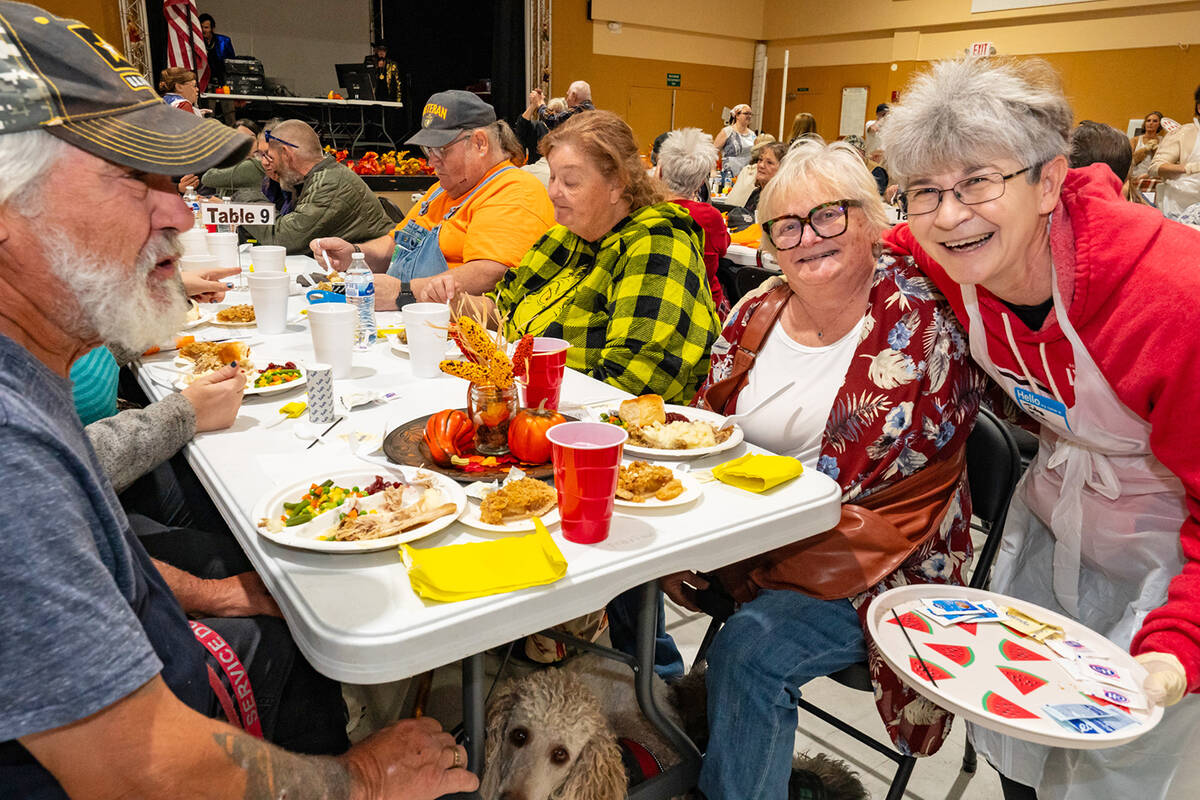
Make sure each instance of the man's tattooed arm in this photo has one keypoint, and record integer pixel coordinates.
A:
(273, 773)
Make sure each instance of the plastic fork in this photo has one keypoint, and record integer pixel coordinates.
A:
(733, 418)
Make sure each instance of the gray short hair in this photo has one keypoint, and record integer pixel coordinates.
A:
(967, 109)
(836, 168)
(26, 158)
(300, 133)
(686, 159)
(502, 139)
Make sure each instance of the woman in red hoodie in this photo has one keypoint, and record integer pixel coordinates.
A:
(1081, 307)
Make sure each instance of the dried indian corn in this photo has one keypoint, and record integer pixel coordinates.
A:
(487, 364)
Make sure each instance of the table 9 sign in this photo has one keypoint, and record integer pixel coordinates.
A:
(238, 213)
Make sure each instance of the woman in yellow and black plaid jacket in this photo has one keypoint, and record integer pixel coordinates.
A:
(621, 276)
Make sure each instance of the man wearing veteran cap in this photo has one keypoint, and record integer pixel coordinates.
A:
(478, 220)
(107, 690)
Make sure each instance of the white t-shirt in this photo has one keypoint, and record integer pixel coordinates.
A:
(794, 423)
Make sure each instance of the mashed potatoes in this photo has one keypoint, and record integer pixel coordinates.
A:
(678, 435)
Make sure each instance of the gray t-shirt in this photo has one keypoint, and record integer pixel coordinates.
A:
(85, 618)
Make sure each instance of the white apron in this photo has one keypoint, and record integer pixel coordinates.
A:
(1174, 196)
(1092, 533)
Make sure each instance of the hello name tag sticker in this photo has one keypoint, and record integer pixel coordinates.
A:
(238, 213)
(1040, 406)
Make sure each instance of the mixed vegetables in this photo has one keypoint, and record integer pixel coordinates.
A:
(322, 497)
(276, 374)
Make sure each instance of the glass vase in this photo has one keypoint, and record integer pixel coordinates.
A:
(491, 409)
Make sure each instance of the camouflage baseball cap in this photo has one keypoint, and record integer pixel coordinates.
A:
(59, 76)
(448, 114)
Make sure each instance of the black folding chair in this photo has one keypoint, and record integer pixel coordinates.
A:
(993, 467)
(747, 279)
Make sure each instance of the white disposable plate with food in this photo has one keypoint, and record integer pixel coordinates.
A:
(311, 535)
(471, 517)
(252, 390)
(200, 318)
(183, 381)
(991, 675)
(691, 491)
(401, 348)
(693, 415)
(222, 324)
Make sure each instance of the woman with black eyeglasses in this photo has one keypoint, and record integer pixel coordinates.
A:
(1081, 307)
(882, 399)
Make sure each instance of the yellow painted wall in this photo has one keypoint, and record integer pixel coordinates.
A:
(1119, 58)
(1110, 86)
(794, 19)
(735, 18)
(102, 16)
(636, 88)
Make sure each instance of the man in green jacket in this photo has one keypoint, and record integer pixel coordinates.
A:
(330, 199)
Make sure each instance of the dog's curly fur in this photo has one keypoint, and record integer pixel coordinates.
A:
(552, 735)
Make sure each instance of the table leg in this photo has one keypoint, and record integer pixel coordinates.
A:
(362, 128)
(473, 711)
(383, 115)
(473, 718)
(682, 776)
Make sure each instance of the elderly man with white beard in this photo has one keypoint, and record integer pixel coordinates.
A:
(108, 691)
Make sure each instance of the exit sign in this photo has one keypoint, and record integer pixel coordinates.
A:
(673, 79)
(982, 49)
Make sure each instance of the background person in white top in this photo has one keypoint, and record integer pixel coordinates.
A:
(735, 140)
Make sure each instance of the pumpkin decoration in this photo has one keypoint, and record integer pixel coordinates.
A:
(527, 433)
(449, 433)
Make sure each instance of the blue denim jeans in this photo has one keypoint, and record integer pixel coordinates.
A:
(762, 656)
(622, 631)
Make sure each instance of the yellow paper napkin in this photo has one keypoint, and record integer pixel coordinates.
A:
(463, 571)
(756, 472)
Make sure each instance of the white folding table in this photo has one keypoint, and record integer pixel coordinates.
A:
(356, 617)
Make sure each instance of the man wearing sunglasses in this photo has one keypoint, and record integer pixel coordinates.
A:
(328, 199)
(478, 220)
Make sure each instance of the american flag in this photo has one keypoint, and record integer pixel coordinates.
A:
(185, 41)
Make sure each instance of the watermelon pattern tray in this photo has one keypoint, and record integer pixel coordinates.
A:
(990, 675)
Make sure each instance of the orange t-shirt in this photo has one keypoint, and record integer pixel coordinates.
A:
(500, 222)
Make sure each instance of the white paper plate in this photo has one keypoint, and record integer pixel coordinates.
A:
(305, 536)
(1045, 682)
(691, 491)
(203, 318)
(221, 324)
(251, 390)
(401, 348)
(695, 415)
(471, 517)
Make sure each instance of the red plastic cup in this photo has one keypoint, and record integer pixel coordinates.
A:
(544, 379)
(587, 461)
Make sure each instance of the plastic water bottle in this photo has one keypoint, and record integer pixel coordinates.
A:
(726, 180)
(360, 293)
(193, 200)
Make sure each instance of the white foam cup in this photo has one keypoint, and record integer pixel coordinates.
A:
(426, 327)
(332, 326)
(269, 293)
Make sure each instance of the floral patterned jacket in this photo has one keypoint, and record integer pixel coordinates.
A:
(909, 397)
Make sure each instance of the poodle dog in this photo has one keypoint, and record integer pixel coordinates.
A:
(568, 734)
(553, 734)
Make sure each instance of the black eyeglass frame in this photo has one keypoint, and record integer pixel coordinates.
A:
(439, 152)
(1004, 179)
(269, 137)
(845, 205)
